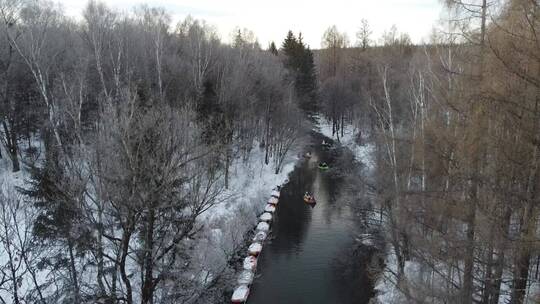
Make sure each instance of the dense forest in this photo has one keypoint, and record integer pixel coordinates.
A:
(456, 128)
(128, 129)
(121, 134)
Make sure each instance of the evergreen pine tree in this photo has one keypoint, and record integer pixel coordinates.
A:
(289, 43)
(239, 39)
(290, 49)
(299, 61)
(306, 81)
(210, 114)
(272, 48)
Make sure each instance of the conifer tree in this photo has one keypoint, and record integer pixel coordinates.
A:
(238, 39)
(299, 61)
(290, 49)
(272, 48)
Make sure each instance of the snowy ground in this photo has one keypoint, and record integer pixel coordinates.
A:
(236, 213)
(250, 184)
(225, 225)
(362, 153)
(9, 179)
(424, 285)
(11, 215)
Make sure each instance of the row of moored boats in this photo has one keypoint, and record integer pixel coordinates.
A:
(246, 276)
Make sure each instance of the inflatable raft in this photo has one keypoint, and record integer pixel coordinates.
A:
(273, 201)
(308, 199)
(260, 236)
(246, 277)
(270, 208)
(250, 263)
(323, 167)
(263, 226)
(266, 217)
(240, 294)
(254, 249)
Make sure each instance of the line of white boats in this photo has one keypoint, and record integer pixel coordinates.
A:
(245, 278)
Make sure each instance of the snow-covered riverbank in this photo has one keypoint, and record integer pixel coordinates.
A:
(222, 227)
(419, 279)
(362, 152)
(228, 222)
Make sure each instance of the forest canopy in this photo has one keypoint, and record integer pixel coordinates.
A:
(122, 133)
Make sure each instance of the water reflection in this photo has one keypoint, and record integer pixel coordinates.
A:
(311, 258)
(292, 219)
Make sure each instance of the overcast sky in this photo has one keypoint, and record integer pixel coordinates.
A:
(271, 19)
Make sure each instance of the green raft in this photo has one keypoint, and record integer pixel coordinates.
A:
(323, 167)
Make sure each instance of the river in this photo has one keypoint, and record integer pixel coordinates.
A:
(311, 256)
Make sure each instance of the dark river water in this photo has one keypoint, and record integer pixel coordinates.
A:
(309, 258)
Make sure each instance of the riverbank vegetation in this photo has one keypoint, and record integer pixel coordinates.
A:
(120, 131)
(456, 125)
(126, 128)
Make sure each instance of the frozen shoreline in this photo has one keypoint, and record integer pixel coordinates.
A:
(224, 225)
(386, 285)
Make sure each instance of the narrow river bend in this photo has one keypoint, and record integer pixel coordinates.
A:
(308, 258)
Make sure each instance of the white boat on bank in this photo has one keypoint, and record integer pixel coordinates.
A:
(263, 226)
(260, 236)
(250, 263)
(254, 249)
(240, 294)
(266, 217)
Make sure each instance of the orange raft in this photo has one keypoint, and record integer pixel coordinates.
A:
(309, 199)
